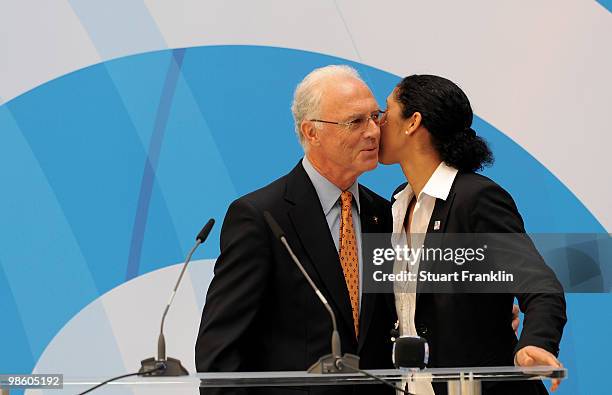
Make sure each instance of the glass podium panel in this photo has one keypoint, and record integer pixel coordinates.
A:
(271, 379)
(459, 380)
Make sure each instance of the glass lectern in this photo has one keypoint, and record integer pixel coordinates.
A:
(464, 381)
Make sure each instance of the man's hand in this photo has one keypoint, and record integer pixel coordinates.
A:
(515, 318)
(534, 356)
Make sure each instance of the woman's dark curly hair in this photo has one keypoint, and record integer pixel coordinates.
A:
(447, 115)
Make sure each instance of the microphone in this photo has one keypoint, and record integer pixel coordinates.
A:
(330, 363)
(162, 365)
(410, 352)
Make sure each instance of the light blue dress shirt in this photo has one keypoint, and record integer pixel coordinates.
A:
(329, 196)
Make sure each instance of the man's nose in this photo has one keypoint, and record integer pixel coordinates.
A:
(372, 129)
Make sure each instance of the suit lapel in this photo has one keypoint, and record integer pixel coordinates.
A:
(313, 232)
(370, 223)
(437, 227)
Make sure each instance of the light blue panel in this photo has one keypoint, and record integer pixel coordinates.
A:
(192, 173)
(93, 160)
(118, 27)
(47, 276)
(14, 336)
(590, 317)
(244, 94)
(161, 246)
(139, 81)
(567, 352)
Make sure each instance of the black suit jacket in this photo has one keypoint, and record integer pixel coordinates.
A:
(260, 312)
(475, 329)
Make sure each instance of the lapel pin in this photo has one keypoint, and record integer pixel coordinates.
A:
(437, 225)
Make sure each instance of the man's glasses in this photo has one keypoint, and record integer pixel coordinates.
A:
(359, 124)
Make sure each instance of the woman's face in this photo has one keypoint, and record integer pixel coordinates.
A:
(392, 135)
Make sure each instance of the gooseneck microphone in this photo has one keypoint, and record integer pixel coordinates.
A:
(330, 363)
(334, 362)
(162, 365)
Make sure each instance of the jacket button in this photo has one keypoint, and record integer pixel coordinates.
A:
(422, 330)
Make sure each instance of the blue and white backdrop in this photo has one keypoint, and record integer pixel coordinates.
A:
(124, 125)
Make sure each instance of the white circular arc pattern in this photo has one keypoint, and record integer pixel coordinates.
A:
(111, 335)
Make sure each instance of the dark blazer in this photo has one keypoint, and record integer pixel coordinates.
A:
(475, 329)
(261, 314)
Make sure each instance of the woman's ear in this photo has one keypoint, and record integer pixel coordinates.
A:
(413, 123)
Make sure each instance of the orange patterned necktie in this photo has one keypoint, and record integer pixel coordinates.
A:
(348, 256)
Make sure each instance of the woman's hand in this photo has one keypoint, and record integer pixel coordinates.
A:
(534, 356)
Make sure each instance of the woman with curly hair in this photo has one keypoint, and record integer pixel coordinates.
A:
(427, 130)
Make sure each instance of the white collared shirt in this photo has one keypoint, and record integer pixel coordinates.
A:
(437, 187)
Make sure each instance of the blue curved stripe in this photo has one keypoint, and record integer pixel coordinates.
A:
(150, 164)
(606, 3)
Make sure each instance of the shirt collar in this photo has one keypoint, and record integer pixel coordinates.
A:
(327, 192)
(441, 181)
(438, 185)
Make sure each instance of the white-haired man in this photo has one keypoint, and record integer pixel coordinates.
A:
(260, 312)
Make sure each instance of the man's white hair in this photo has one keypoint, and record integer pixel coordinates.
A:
(307, 96)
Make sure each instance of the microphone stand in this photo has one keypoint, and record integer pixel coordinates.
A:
(163, 365)
(329, 363)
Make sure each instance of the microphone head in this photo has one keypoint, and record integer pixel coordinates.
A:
(276, 229)
(410, 352)
(205, 231)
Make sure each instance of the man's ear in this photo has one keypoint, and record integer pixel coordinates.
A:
(310, 133)
(413, 123)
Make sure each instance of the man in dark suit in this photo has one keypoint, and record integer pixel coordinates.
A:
(260, 312)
